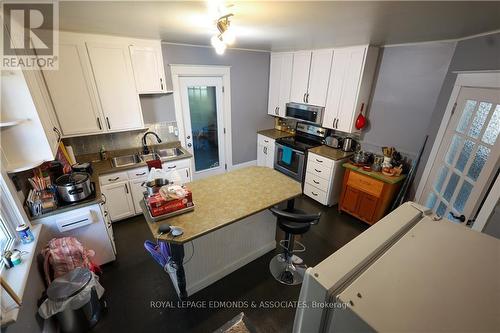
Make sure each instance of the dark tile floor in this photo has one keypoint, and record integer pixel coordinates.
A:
(134, 280)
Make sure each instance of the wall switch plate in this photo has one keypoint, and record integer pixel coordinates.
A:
(170, 129)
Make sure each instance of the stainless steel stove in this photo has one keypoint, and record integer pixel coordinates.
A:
(291, 153)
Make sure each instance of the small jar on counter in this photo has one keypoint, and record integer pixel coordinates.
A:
(25, 233)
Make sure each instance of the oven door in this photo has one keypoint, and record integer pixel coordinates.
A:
(296, 167)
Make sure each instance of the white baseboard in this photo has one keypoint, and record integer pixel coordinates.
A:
(244, 165)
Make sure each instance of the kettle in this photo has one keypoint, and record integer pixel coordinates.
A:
(333, 141)
(348, 145)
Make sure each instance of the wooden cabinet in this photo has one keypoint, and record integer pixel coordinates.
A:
(351, 79)
(280, 80)
(114, 79)
(310, 76)
(365, 197)
(323, 180)
(265, 151)
(73, 91)
(147, 63)
(118, 200)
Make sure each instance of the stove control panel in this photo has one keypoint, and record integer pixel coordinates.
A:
(312, 130)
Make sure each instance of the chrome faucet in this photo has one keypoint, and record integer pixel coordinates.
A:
(145, 149)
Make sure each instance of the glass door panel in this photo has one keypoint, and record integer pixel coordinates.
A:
(468, 155)
(203, 112)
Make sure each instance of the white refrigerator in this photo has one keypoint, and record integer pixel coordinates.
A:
(407, 273)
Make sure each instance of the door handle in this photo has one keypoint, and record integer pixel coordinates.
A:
(461, 218)
(187, 173)
(317, 170)
(172, 167)
(315, 182)
(265, 150)
(315, 194)
(161, 83)
(188, 137)
(126, 188)
(307, 98)
(107, 121)
(99, 123)
(277, 110)
(304, 98)
(189, 145)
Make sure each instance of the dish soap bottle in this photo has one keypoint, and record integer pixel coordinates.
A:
(103, 153)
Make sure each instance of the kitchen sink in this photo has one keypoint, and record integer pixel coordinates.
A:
(125, 160)
(149, 157)
(167, 153)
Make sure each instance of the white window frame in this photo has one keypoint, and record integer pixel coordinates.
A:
(480, 79)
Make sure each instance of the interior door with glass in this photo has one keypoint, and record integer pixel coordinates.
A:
(468, 157)
(202, 110)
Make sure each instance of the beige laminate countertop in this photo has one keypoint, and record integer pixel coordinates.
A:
(224, 199)
(274, 133)
(375, 174)
(331, 153)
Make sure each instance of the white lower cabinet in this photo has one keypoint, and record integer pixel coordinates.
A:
(118, 200)
(323, 181)
(265, 151)
(124, 191)
(137, 191)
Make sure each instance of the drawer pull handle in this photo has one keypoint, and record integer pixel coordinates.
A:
(315, 194)
(172, 167)
(317, 170)
(113, 179)
(266, 141)
(315, 182)
(141, 174)
(319, 161)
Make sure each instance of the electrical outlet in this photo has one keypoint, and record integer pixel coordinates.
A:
(170, 129)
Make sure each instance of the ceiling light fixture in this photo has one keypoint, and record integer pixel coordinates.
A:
(225, 36)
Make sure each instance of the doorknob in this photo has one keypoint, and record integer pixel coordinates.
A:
(461, 218)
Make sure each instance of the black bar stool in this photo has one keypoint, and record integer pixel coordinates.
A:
(286, 267)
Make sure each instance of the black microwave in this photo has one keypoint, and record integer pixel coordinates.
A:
(303, 112)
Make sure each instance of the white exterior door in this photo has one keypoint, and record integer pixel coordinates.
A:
(468, 156)
(203, 116)
(300, 76)
(115, 82)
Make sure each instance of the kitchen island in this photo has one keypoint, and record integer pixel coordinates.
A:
(229, 227)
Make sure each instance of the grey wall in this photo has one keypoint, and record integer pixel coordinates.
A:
(404, 95)
(481, 53)
(492, 227)
(249, 93)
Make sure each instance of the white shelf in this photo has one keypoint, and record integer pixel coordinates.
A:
(4, 124)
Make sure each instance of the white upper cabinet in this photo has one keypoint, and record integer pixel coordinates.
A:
(351, 79)
(300, 76)
(72, 89)
(280, 79)
(147, 63)
(310, 76)
(321, 62)
(115, 83)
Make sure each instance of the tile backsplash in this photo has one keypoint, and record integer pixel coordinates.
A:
(121, 140)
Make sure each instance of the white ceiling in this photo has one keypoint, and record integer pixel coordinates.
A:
(280, 25)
